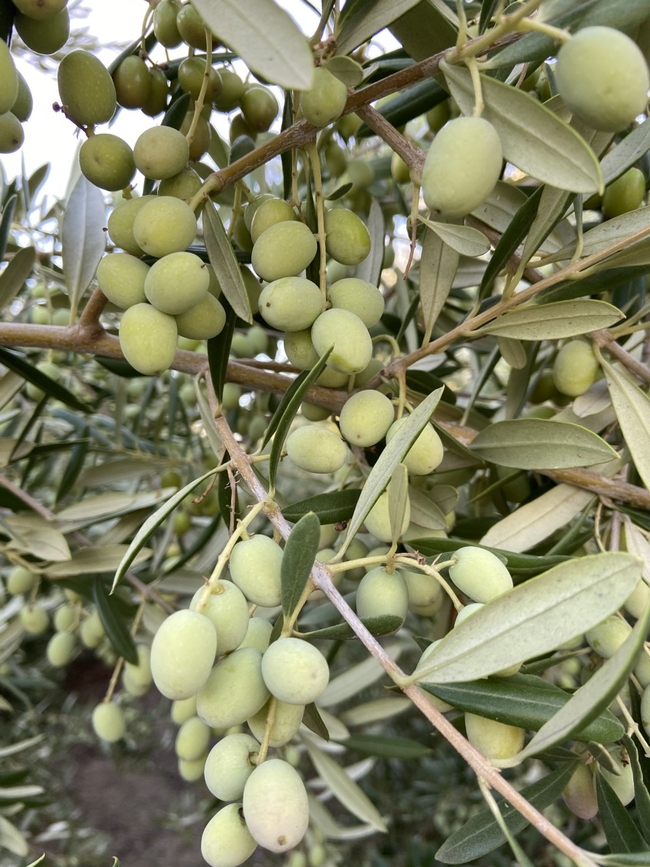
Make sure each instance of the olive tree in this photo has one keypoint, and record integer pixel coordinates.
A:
(347, 350)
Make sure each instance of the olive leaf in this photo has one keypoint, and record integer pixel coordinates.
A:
(14, 275)
(438, 266)
(463, 239)
(330, 508)
(223, 260)
(299, 554)
(620, 829)
(632, 408)
(83, 239)
(539, 444)
(533, 138)
(264, 36)
(554, 321)
(360, 21)
(534, 618)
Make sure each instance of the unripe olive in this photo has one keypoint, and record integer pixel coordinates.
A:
(229, 764)
(377, 520)
(164, 225)
(299, 349)
(636, 602)
(270, 212)
(182, 654)
(290, 303)
(575, 368)
(381, 593)
(164, 23)
(65, 619)
(201, 138)
(316, 448)
(372, 369)
(286, 722)
(494, 739)
(8, 79)
(161, 152)
(276, 808)
(203, 321)
(283, 250)
(438, 116)
(359, 297)
(462, 166)
(642, 668)
(41, 10)
(336, 159)
(232, 89)
(326, 99)
(226, 841)
(255, 568)
(44, 37)
(183, 709)
(623, 783)
(258, 634)
(348, 125)
(425, 593)
(580, 795)
(606, 637)
(313, 412)
(108, 722)
(227, 607)
(191, 26)
(107, 161)
(347, 238)
(191, 73)
(148, 339)
(191, 771)
(425, 454)
(240, 129)
(139, 676)
(366, 418)
(192, 739)
(121, 279)
(295, 671)
(479, 574)
(132, 82)
(60, 648)
(624, 194)
(34, 619)
(259, 107)
(91, 631)
(234, 691)
(175, 283)
(120, 224)
(349, 337)
(22, 107)
(156, 101)
(602, 77)
(185, 185)
(645, 710)
(231, 395)
(20, 580)
(11, 133)
(86, 88)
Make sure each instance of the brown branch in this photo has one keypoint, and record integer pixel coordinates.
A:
(606, 340)
(93, 310)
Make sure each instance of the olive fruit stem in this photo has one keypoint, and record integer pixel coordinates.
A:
(479, 104)
(530, 24)
(120, 662)
(321, 576)
(268, 726)
(198, 105)
(321, 235)
(505, 24)
(223, 558)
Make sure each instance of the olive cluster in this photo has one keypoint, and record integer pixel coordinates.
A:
(221, 669)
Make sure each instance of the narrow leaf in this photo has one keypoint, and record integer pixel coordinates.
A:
(74, 466)
(526, 701)
(398, 497)
(14, 275)
(594, 696)
(330, 508)
(116, 629)
(264, 36)
(381, 625)
(554, 321)
(219, 351)
(50, 386)
(370, 268)
(534, 139)
(153, 522)
(388, 460)
(641, 794)
(367, 19)
(223, 260)
(387, 747)
(621, 832)
(534, 618)
(83, 239)
(343, 787)
(6, 221)
(632, 409)
(438, 266)
(93, 560)
(541, 444)
(626, 859)
(297, 561)
(463, 239)
(482, 834)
